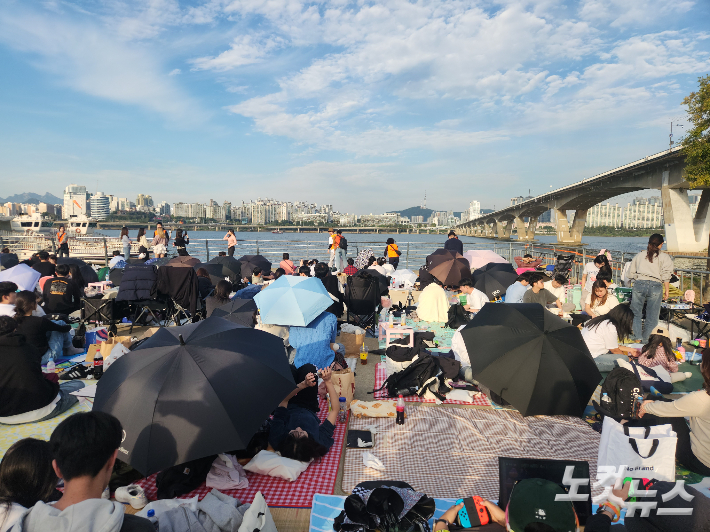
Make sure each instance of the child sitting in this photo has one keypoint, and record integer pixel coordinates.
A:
(658, 353)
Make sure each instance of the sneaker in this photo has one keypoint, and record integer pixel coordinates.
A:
(132, 494)
(106, 493)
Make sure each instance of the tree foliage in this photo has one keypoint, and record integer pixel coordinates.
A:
(696, 144)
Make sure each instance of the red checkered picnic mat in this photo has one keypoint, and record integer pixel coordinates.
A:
(318, 478)
(381, 375)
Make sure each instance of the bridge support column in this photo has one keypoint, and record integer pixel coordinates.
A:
(504, 230)
(567, 234)
(684, 232)
(526, 233)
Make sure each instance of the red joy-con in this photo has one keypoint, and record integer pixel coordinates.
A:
(481, 509)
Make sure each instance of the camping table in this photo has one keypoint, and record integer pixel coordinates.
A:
(675, 311)
(400, 295)
(397, 332)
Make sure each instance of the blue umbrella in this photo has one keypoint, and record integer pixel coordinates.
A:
(22, 275)
(292, 300)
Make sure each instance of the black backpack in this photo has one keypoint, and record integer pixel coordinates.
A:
(343, 244)
(386, 501)
(457, 317)
(415, 379)
(622, 387)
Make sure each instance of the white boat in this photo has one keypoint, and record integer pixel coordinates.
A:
(80, 225)
(31, 224)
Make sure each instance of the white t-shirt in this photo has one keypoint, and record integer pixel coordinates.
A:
(389, 269)
(476, 299)
(601, 339)
(115, 260)
(559, 292)
(10, 517)
(598, 309)
(459, 348)
(591, 271)
(9, 310)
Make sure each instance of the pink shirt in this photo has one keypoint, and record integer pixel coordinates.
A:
(659, 359)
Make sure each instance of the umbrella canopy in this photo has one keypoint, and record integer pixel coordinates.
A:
(87, 272)
(161, 261)
(214, 271)
(239, 311)
(292, 300)
(180, 260)
(192, 391)
(531, 358)
(448, 266)
(8, 260)
(249, 262)
(22, 275)
(404, 276)
(231, 267)
(362, 258)
(481, 257)
(493, 279)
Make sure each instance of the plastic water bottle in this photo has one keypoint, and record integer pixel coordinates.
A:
(343, 412)
(605, 398)
(391, 324)
(152, 518)
(400, 410)
(404, 318)
(51, 366)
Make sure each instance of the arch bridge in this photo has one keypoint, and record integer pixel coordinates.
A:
(663, 171)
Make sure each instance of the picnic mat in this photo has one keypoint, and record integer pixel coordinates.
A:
(327, 507)
(9, 434)
(381, 375)
(453, 452)
(442, 333)
(318, 478)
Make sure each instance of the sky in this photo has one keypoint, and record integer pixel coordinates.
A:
(363, 105)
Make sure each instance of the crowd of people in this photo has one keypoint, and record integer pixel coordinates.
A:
(83, 448)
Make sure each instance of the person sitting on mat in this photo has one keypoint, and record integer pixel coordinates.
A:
(693, 448)
(599, 301)
(658, 353)
(296, 432)
(475, 299)
(603, 334)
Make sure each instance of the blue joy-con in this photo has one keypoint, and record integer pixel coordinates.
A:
(464, 521)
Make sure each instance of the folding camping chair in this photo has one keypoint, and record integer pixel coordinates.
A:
(563, 266)
(180, 288)
(362, 299)
(100, 311)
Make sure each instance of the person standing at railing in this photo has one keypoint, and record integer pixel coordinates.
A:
(392, 253)
(143, 244)
(63, 242)
(181, 242)
(126, 242)
(651, 272)
(231, 242)
(160, 241)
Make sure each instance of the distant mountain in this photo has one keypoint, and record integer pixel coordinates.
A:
(31, 197)
(418, 211)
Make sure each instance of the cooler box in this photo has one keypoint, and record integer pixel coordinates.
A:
(577, 297)
(623, 294)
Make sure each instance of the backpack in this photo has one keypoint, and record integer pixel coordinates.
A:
(457, 317)
(183, 478)
(415, 379)
(622, 388)
(343, 244)
(387, 506)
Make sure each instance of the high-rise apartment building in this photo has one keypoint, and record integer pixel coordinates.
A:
(605, 215)
(644, 213)
(144, 200)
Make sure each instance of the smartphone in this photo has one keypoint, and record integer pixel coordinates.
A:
(473, 513)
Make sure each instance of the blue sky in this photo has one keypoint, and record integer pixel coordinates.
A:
(359, 104)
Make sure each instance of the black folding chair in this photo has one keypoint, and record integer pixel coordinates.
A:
(100, 311)
(362, 298)
(563, 266)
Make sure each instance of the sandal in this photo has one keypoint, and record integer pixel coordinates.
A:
(80, 371)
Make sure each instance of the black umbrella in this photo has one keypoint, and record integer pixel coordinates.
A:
(214, 271)
(448, 266)
(8, 260)
(193, 391)
(531, 358)
(183, 260)
(87, 272)
(240, 311)
(231, 267)
(494, 279)
(249, 262)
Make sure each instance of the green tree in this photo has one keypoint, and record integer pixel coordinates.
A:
(696, 144)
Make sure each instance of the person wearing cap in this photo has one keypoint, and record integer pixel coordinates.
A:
(658, 353)
(453, 243)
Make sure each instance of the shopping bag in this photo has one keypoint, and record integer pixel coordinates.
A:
(96, 335)
(117, 352)
(344, 383)
(638, 452)
(352, 343)
(111, 342)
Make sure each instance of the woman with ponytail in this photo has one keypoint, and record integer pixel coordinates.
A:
(651, 272)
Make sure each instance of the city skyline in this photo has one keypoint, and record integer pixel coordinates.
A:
(382, 98)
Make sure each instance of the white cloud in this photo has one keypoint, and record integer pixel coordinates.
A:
(91, 60)
(244, 50)
(622, 13)
(175, 72)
